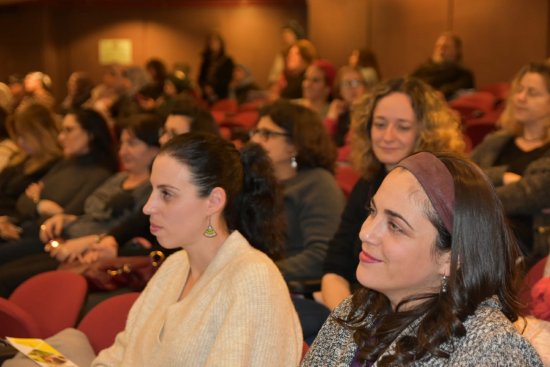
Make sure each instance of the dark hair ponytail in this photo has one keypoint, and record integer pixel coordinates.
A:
(254, 199)
(260, 216)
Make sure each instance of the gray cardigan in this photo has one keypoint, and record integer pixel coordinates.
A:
(528, 196)
(490, 340)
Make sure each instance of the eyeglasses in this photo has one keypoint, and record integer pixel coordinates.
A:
(266, 133)
(351, 83)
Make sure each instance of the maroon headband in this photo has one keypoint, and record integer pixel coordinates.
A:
(437, 182)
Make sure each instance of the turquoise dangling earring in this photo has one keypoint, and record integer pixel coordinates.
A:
(209, 232)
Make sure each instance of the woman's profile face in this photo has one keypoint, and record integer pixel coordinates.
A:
(272, 138)
(177, 214)
(398, 257)
(531, 99)
(73, 138)
(135, 155)
(314, 86)
(394, 129)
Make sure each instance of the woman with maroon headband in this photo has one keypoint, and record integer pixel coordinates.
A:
(431, 295)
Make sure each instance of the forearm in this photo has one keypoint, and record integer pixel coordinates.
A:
(334, 289)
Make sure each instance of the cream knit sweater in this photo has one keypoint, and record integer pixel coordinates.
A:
(239, 313)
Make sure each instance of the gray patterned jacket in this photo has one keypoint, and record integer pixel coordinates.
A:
(490, 340)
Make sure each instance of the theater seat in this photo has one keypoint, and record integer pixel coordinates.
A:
(16, 322)
(107, 319)
(473, 105)
(53, 299)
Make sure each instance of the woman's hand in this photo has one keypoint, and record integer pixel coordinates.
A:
(47, 208)
(510, 177)
(52, 227)
(34, 190)
(72, 250)
(107, 248)
(336, 107)
(9, 231)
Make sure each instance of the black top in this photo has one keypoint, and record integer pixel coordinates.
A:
(517, 161)
(216, 72)
(14, 181)
(344, 248)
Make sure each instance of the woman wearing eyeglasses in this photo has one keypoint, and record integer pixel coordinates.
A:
(349, 86)
(303, 157)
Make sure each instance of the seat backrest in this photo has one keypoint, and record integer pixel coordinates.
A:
(346, 177)
(53, 299)
(15, 321)
(533, 275)
(474, 104)
(107, 319)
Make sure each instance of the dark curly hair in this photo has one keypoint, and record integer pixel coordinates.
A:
(483, 256)
(254, 198)
(306, 131)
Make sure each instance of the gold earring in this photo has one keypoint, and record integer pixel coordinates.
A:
(209, 232)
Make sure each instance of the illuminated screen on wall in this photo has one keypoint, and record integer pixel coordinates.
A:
(115, 50)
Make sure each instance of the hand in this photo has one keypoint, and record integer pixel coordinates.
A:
(34, 190)
(107, 248)
(71, 250)
(9, 231)
(510, 177)
(47, 208)
(52, 227)
(336, 107)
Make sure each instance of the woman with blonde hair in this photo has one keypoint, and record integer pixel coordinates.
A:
(35, 131)
(517, 158)
(397, 118)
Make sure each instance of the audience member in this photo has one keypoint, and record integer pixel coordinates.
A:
(38, 89)
(366, 61)
(157, 73)
(298, 57)
(243, 88)
(116, 199)
(79, 91)
(349, 86)
(291, 32)
(317, 87)
(8, 148)
(430, 296)
(6, 98)
(185, 117)
(35, 131)
(517, 158)
(89, 159)
(226, 299)
(15, 85)
(216, 69)
(397, 118)
(303, 157)
(176, 84)
(444, 70)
